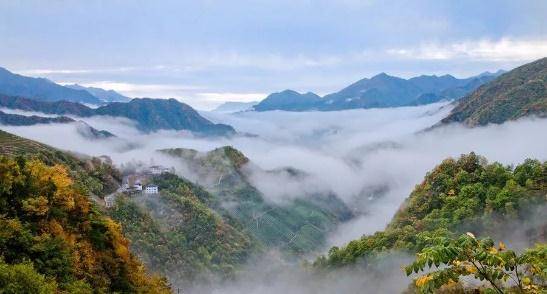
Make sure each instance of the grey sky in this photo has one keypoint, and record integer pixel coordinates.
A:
(205, 52)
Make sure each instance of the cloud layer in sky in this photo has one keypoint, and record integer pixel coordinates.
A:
(202, 51)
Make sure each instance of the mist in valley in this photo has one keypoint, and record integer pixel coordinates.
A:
(371, 159)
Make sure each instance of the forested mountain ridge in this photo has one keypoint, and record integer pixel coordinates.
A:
(157, 114)
(149, 114)
(85, 130)
(11, 119)
(183, 233)
(55, 107)
(467, 194)
(517, 93)
(52, 237)
(93, 175)
(296, 227)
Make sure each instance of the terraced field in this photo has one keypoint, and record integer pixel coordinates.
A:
(94, 175)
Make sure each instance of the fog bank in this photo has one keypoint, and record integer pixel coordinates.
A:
(371, 159)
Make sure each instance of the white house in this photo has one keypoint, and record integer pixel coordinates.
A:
(158, 169)
(151, 189)
(109, 201)
(137, 187)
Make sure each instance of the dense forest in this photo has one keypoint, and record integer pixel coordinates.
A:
(53, 239)
(518, 93)
(182, 233)
(461, 195)
(92, 174)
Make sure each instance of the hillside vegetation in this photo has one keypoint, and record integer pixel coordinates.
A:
(93, 175)
(179, 234)
(149, 114)
(52, 239)
(459, 195)
(296, 227)
(518, 93)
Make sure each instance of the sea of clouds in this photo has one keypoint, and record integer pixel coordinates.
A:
(371, 159)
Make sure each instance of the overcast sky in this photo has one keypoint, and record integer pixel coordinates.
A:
(205, 52)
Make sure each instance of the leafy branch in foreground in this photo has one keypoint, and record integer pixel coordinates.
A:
(500, 269)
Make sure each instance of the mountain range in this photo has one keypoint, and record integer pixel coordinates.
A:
(379, 91)
(234, 106)
(84, 129)
(104, 95)
(42, 95)
(41, 89)
(150, 114)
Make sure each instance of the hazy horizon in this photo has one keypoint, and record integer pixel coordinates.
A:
(207, 52)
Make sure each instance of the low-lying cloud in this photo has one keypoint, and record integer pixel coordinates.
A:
(371, 159)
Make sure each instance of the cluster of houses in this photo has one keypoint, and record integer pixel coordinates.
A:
(133, 184)
(138, 187)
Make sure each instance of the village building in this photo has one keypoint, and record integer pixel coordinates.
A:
(137, 186)
(158, 170)
(151, 189)
(109, 201)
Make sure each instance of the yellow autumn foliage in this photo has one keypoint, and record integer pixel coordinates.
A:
(36, 206)
(58, 175)
(470, 269)
(119, 242)
(421, 281)
(72, 241)
(9, 227)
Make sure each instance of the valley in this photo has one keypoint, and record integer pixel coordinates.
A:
(158, 169)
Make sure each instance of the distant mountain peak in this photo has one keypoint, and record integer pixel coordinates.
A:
(102, 94)
(381, 90)
(288, 100)
(381, 75)
(235, 106)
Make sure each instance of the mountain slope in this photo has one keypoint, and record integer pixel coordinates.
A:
(520, 92)
(49, 225)
(56, 107)
(461, 195)
(22, 120)
(381, 90)
(232, 106)
(150, 114)
(82, 128)
(183, 234)
(157, 114)
(103, 95)
(41, 89)
(288, 100)
(94, 175)
(297, 227)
